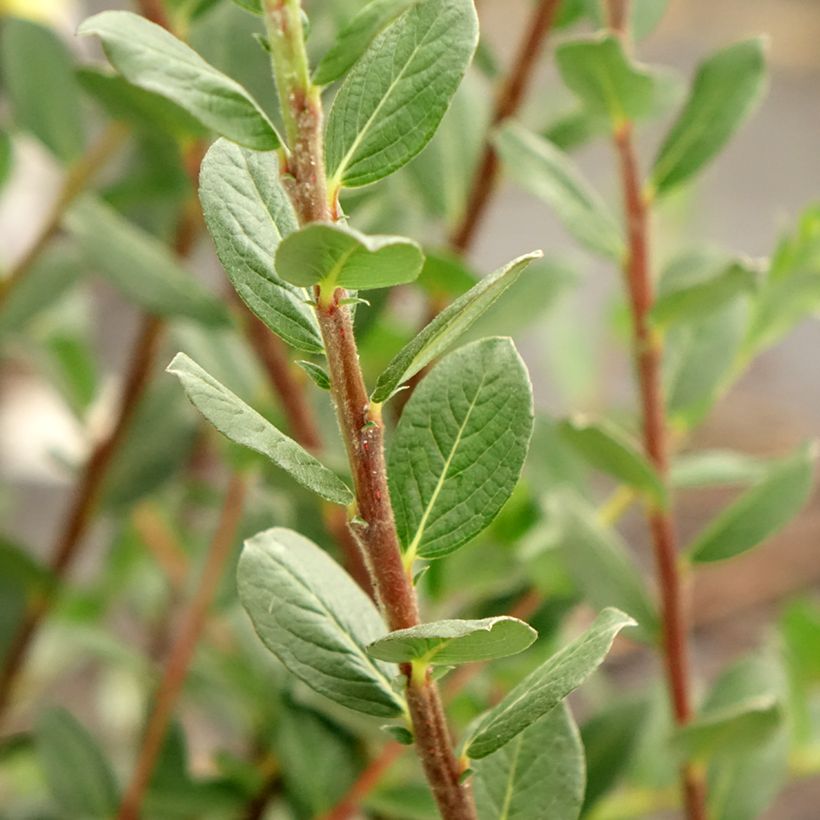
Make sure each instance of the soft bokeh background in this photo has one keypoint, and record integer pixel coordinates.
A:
(757, 188)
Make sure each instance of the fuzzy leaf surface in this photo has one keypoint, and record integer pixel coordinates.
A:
(248, 214)
(460, 446)
(150, 57)
(392, 101)
(311, 614)
(243, 425)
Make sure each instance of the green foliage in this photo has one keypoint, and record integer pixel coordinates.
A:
(551, 175)
(151, 58)
(395, 96)
(444, 643)
(242, 424)
(471, 418)
(248, 214)
(335, 256)
(725, 90)
(539, 773)
(315, 619)
(544, 688)
(39, 79)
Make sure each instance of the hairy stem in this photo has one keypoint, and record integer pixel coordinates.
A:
(182, 651)
(509, 99)
(77, 178)
(360, 422)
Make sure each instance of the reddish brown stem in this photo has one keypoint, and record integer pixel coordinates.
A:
(648, 361)
(81, 510)
(508, 101)
(179, 660)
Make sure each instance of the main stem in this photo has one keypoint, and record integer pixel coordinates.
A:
(359, 421)
(648, 355)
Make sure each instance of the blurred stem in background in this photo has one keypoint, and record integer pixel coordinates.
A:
(648, 358)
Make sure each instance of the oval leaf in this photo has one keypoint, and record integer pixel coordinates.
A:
(338, 256)
(392, 101)
(75, 770)
(445, 643)
(544, 171)
(759, 512)
(150, 57)
(311, 614)
(242, 424)
(544, 688)
(726, 88)
(460, 446)
(609, 449)
(139, 265)
(541, 773)
(248, 214)
(448, 325)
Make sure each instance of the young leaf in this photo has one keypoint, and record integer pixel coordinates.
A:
(446, 643)
(75, 770)
(544, 171)
(139, 264)
(318, 375)
(703, 298)
(337, 256)
(243, 425)
(153, 59)
(248, 214)
(356, 36)
(716, 468)
(726, 88)
(759, 512)
(609, 449)
(316, 620)
(460, 446)
(395, 96)
(544, 688)
(39, 78)
(448, 325)
(539, 774)
(600, 73)
(599, 562)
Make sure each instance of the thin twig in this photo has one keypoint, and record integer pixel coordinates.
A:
(508, 101)
(179, 659)
(75, 182)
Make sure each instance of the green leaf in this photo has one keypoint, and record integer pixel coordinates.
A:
(725, 90)
(337, 256)
(6, 157)
(607, 447)
(448, 325)
(139, 265)
(132, 104)
(460, 446)
(316, 620)
(742, 725)
(598, 70)
(539, 774)
(392, 101)
(318, 375)
(759, 512)
(355, 37)
(447, 643)
(38, 76)
(599, 562)
(248, 214)
(544, 171)
(544, 688)
(716, 468)
(696, 301)
(151, 58)
(243, 425)
(75, 770)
